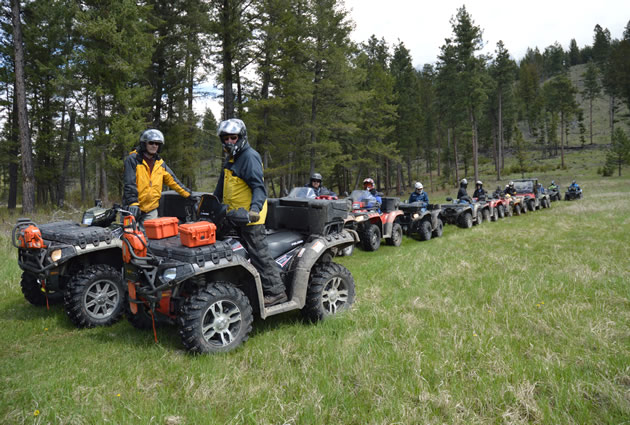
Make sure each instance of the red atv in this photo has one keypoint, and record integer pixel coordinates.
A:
(375, 221)
(533, 196)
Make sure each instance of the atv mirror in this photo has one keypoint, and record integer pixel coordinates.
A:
(449, 199)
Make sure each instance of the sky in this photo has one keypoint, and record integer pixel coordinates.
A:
(423, 25)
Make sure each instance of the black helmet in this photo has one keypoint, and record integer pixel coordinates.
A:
(233, 126)
(151, 135)
(316, 176)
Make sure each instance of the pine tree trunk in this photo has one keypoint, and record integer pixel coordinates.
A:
(562, 139)
(28, 174)
(591, 119)
(13, 157)
(455, 157)
(228, 93)
(500, 138)
(61, 188)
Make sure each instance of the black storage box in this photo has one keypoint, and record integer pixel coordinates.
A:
(172, 204)
(74, 234)
(311, 216)
(172, 248)
(389, 204)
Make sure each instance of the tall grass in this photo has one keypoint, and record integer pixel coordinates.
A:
(526, 320)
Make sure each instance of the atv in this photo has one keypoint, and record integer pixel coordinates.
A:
(350, 222)
(463, 213)
(375, 221)
(212, 291)
(532, 195)
(421, 222)
(554, 193)
(572, 193)
(80, 264)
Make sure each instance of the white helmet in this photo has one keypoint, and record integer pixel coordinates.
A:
(419, 185)
(464, 182)
(479, 182)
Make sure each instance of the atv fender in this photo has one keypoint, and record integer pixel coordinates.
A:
(308, 256)
(388, 222)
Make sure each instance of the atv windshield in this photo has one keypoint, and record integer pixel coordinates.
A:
(302, 192)
(524, 187)
(365, 197)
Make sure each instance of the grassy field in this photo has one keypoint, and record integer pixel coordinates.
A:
(526, 320)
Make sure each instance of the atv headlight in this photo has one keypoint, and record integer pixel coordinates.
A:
(360, 218)
(55, 255)
(169, 274)
(415, 216)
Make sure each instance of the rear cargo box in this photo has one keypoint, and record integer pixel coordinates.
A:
(197, 234)
(172, 248)
(389, 204)
(160, 228)
(312, 216)
(73, 233)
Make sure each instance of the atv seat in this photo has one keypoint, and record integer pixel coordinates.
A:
(283, 241)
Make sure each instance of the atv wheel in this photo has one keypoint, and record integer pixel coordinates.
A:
(95, 297)
(371, 237)
(438, 229)
(532, 205)
(347, 251)
(465, 220)
(397, 234)
(495, 214)
(479, 218)
(501, 211)
(486, 214)
(517, 209)
(217, 318)
(32, 290)
(424, 230)
(330, 290)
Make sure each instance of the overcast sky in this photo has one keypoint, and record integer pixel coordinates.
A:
(423, 25)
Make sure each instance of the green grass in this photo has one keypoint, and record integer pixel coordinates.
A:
(526, 320)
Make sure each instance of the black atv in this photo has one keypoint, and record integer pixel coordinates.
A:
(554, 193)
(572, 193)
(464, 214)
(421, 222)
(81, 264)
(213, 292)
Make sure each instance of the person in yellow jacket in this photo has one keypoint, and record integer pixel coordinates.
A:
(241, 185)
(145, 174)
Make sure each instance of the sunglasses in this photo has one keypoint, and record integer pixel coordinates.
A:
(153, 143)
(230, 137)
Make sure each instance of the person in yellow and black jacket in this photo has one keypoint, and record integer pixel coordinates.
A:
(241, 185)
(145, 174)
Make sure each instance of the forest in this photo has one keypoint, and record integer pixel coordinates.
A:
(80, 80)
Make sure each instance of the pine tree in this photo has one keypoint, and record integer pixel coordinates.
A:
(468, 40)
(503, 71)
(592, 90)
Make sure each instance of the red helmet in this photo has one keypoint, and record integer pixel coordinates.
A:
(368, 183)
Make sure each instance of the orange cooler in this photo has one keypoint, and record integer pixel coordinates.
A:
(198, 234)
(160, 228)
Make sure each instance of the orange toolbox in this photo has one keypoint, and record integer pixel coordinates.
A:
(160, 228)
(198, 234)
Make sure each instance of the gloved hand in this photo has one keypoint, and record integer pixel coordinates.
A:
(254, 216)
(135, 211)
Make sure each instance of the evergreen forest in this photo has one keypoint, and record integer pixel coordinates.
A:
(81, 79)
